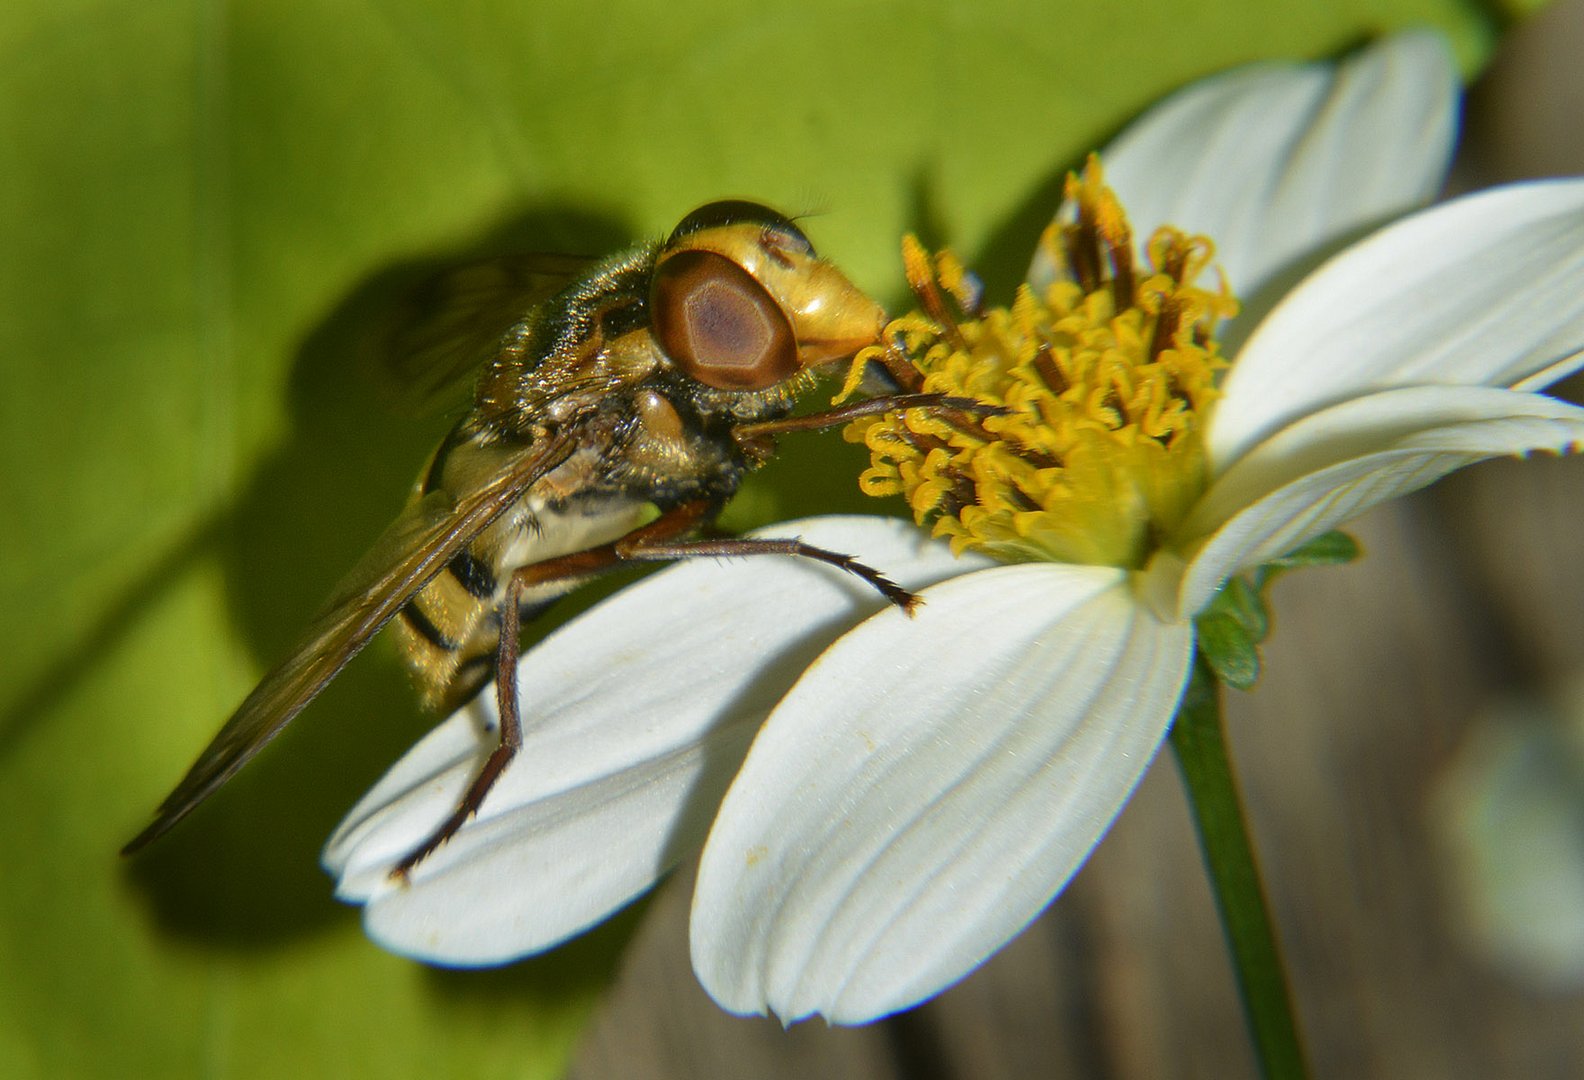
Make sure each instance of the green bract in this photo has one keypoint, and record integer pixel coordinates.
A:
(1237, 621)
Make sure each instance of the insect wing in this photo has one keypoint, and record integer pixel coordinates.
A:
(429, 354)
(427, 535)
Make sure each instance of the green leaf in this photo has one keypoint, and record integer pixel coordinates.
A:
(204, 208)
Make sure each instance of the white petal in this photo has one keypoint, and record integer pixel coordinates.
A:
(636, 716)
(1334, 465)
(1274, 162)
(928, 787)
(1485, 290)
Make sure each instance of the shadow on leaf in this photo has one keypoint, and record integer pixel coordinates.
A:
(242, 872)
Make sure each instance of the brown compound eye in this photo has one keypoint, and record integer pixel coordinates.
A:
(719, 324)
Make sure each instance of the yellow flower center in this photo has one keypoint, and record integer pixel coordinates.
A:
(1105, 379)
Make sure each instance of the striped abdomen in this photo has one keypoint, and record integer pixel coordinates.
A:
(450, 630)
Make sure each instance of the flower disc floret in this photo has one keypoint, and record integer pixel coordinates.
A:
(1105, 378)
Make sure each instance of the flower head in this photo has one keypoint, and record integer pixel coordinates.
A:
(889, 800)
(1106, 377)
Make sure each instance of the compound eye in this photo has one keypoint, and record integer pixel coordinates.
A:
(719, 324)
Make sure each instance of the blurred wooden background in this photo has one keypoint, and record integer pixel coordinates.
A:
(1384, 684)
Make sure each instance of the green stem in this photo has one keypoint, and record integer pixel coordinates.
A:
(1212, 791)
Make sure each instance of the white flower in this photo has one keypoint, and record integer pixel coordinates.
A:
(922, 788)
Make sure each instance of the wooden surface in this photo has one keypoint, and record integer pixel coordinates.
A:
(1377, 678)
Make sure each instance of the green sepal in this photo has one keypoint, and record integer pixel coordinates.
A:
(1230, 630)
(1239, 599)
(1328, 549)
(1234, 624)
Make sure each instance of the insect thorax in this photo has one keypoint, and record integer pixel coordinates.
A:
(646, 436)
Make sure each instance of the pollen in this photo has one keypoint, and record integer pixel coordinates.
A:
(1101, 384)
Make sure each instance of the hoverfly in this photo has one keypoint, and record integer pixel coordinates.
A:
(655, 381)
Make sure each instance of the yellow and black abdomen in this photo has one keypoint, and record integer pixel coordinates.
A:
(450, 630)
(446, 628)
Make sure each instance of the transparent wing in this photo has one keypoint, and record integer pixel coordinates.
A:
(427, 356)
(427, 535)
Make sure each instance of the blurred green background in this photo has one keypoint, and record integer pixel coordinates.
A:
(204, 208)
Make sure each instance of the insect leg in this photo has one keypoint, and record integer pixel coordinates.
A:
(510, 731)
(661, 540)
(578, 564)
(829, 418)
(641, 549)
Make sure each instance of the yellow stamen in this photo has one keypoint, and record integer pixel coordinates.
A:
(1106, 379)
